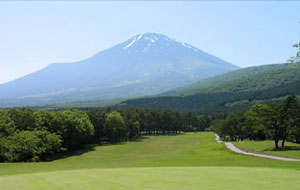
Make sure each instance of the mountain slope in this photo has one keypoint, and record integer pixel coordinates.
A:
(244, 80)
(230, 91)
(146, 64)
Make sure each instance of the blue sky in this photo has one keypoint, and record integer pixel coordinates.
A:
(35, 34)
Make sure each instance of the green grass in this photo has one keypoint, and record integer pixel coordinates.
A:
(291, 150)
(189, 161)
(183, 178)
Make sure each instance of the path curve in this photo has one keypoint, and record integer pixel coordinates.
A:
(235, 149)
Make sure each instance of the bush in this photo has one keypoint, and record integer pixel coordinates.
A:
(30, 146)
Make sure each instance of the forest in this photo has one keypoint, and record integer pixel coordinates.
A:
(233, 91)
(278, 121)
(38, 135)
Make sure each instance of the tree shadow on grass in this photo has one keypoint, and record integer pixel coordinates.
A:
(287, 148)
(139, 139)
(90, 148)
(66, 154)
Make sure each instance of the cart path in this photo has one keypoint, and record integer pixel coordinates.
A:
(235, 149)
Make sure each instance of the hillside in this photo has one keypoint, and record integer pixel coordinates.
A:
(146, 64)
(244, 80)
(231, 91)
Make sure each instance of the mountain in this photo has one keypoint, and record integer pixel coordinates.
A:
(146, 64)
(234, 90)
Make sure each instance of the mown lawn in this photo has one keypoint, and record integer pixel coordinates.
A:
(181, 178)
(291, 150)
(188, 161)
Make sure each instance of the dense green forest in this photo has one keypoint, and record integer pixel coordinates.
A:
(234, 91)
(244, 80)
(37, 135)
(274, 121)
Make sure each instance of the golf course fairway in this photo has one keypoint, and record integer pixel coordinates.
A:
(184, 178)
(187, 161)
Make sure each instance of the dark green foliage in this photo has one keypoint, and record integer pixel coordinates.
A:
(23, 118)
(97, 118)
(215, 103)
(33, 135)
(233, 126)
(44, 120)
(245, 80)
(170, 122)
(74, 127)
(144, 122)
(115, 127)
(133, 129)
(295, 59)
(30, 146)
(279, 120)
(276, 121)
(7, 125)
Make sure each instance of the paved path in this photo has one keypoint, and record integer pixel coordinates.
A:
(218, 139)
(233, 148)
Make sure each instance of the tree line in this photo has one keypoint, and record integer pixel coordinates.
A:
(131, 123)
(36, 135)
(278, 121)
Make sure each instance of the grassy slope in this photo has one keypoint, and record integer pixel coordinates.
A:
(292, 150)
(162, 151)
(162, 162)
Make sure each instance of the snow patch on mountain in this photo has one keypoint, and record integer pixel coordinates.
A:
(133, 41)
(130, 44)
(152, 38)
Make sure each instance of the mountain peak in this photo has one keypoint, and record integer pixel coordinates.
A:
(133, 40)
(146, 40)
(148, 37)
